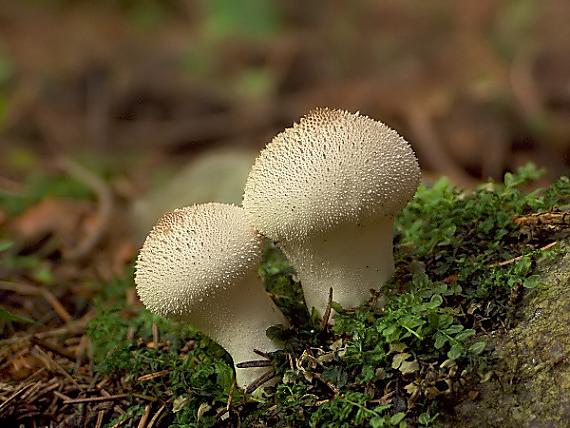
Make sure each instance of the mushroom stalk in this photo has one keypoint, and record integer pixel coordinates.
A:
(242, 326)
(352, 259)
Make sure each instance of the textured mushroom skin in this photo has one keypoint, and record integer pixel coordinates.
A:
(199, 265)
(331, 170)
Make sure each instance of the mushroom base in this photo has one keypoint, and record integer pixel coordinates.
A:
(351, 258)
(237, 319)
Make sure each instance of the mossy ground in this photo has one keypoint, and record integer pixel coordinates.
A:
(531, 368)
(461, 260)
(464, 263)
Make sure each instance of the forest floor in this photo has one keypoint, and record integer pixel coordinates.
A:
(76, 350)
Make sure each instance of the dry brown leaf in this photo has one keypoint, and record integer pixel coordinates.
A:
(56, 216)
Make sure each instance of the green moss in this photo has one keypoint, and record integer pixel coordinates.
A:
(399, 363)
(532, 375)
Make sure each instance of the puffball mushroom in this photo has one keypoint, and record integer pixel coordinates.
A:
(327, 191)
(199, 265)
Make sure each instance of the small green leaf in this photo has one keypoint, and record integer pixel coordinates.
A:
(478, 347)
(532, 281)
(397, 418)
(465, 334)
(436, 301)
(455, 351)
(6, 245)
(8, 316)
(440, 340)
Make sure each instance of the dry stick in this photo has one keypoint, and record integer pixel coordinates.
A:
(230, 396)
(31, 392)
(151, 376)
(260, 381)
(332, 387)
(58, 366)
(100, 416)
(50, 386)
(107, 398)
(80, 352)
(144, 417)
(96, 399)
(61, 396)
(155, 336)
(48, 346)
(515, 259)
(28, 289)
(261, 353)
(104, 198)
(40, 389)
(327, 313)
(253, 363)
(14, 396)
(156, 416)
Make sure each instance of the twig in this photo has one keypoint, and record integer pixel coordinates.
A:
(230, 396)
(80, 352)
(51, 361)
(105, 209)
(327, 313)
(36, 341)
(14, 396)
(254, 363)
(61, 396)
(151, 376)
(156, 416)
(28, 289)
(260, 381)
(144, 417)
(516, 259)
(100, 416)
(332, 387)
(155, 336)
(261, 353)
(96, 399)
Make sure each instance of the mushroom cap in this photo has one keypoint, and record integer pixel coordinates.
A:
(331, 167)
(193, 254)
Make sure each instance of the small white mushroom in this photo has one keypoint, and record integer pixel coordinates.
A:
(199, 265)
(327, 190)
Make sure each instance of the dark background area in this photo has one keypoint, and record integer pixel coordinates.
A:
(477, 87)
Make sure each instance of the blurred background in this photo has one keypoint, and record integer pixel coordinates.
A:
(148, 105)
(477, 87)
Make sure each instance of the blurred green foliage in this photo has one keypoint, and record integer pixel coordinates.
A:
(254, 20)
(38, 186)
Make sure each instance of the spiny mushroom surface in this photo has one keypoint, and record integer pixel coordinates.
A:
(327, 190)
(199, 265)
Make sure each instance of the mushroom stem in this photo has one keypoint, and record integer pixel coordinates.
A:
(241, 328)
(352, 258)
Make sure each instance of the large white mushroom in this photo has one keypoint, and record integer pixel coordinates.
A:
(199, 265)
(327, 190)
